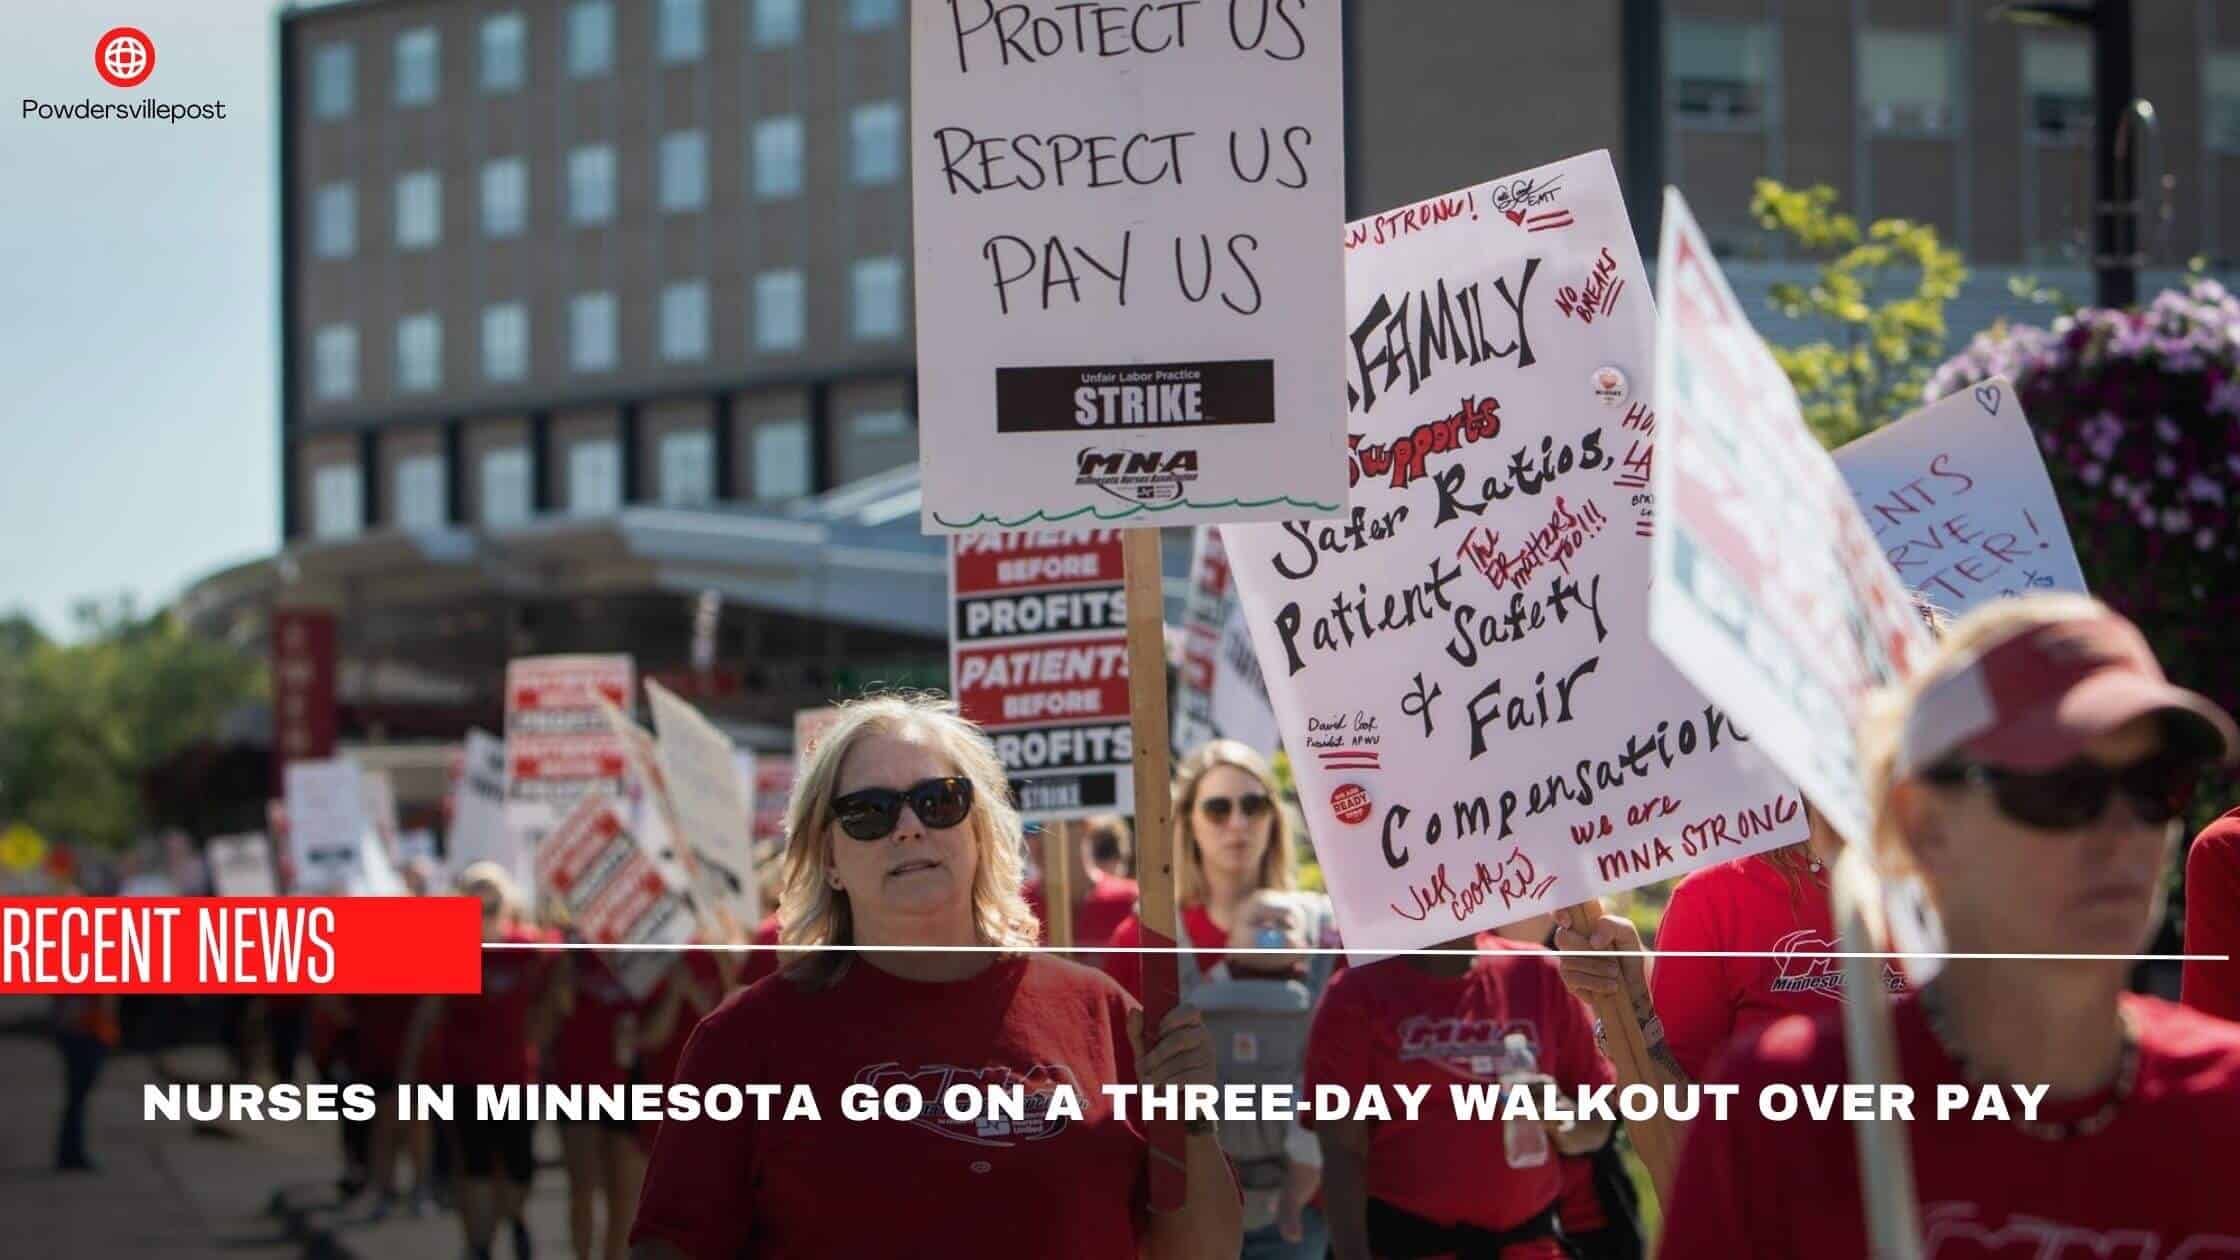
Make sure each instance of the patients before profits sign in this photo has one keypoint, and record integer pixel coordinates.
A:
(1124, 275)
(1460, 663)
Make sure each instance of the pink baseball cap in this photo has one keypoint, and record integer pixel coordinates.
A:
(2033, 700)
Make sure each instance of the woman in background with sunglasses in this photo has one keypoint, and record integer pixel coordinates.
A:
(1232, 839)
(2030, 777)
(901, 834)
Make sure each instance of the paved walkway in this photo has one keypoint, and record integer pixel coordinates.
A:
(174, 1189)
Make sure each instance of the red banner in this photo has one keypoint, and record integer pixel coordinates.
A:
(303, 688)
(240, 945)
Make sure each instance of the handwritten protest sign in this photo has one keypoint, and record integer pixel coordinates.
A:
(327, 825)
(241, 866)
(1958, 497)
(1479, 727)
(1220, 692)
(1038, 656)
(558, 744)
(1770, 592)
(478, 816)
(614, 893)
(713, 804)
(1124, 277)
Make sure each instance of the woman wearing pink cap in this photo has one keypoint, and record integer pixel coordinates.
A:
(2031, 777)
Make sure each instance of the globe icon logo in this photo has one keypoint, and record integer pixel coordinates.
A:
(125, 57)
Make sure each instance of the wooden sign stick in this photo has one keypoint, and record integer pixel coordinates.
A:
(1147, 709)
(1871, 1046)
(1657, 1139)
(1057, 881)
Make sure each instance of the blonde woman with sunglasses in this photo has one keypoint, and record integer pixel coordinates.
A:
(901, 834)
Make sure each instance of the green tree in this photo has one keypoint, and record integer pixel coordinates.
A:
(1881, 342)
(81, 722)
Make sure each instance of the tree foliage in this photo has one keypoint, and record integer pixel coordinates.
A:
(1881, 341)
(82, 722)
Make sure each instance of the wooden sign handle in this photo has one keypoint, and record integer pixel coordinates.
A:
(1871, 1048)
(1147, 708)
(1656, 1139)
(1057, 882)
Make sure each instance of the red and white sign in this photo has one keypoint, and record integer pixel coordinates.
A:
(558, 743)
(614, 892)
(1221, 693)
(809, 727)
(1038, 656)
(1770, 592)
(303, 688)
(772, 782)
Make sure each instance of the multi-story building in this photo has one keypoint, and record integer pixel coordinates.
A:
(594, 305)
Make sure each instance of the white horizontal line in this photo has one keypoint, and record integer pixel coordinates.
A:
(1365, 953)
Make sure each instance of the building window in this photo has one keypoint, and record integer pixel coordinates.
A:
(337, 505)
(781, 460)
(870, 15)
(878, 426)
(420, 492)
(684, 321)
(777, 157)
(505, 60)
(877, 292)
(2057, 89)
(505, 342)
(1719, 71)
(334, 231)
(419, 353)
(688, 467)
(875, 143)
(334, 70)
(681, 31)
(2220, 80)
(594, 477)
(419, 209)
(777, 23)
(778, 317)
(684, 170)
(591, 332)
(590, 39)
(334, 351)
(1905, 82)
(505, 486)
(591, 184)
(505, 197)
(416, 66)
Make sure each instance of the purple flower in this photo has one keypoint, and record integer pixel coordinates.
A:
(2091, 474)
(2205, 489)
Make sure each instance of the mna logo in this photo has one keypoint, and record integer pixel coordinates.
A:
(125, 56)
(1136, 476)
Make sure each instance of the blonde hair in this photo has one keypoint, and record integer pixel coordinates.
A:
(811, 912)
(489, 875)
(1278, 866)
(1883, 718)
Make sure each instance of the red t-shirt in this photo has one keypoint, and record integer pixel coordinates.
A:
(761, 962)
(2138, 1188)
(2213, 918)
(834, 1187)
(1109, 902)
(1743, 905)
(1390, 1023)
(660, 1064)
(379, 1024)
(1210, 940)
(486, 1035)
(583, 1047)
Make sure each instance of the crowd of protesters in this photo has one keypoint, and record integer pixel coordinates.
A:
(2030, 782)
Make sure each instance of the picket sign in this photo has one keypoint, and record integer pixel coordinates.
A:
(1771, 594)
(713, 803)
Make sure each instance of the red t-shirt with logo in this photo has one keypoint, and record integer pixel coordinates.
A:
(1110, 901)
(2213, 918)
(1744, 905)
(486, 1035)
(583, 1047)
(834, 1187)
(761, 962)
(2148, 1185)
(1210, 940)
(1391, 1023)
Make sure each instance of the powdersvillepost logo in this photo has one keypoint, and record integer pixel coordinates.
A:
(125, 57)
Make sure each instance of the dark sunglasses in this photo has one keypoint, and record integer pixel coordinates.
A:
(871, 814)
(1216, 808)
(2158, 789)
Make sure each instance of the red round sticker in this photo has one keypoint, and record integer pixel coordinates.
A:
(125, 57)
(1350, 803)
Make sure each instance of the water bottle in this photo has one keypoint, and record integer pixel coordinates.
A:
(1525, 1142)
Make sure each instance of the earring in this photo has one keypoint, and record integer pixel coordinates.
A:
(832, 878)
